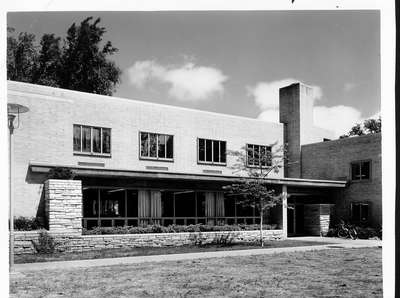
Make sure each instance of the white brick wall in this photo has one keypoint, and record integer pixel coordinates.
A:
(46, 131)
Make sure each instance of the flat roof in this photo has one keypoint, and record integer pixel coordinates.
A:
(85, 171)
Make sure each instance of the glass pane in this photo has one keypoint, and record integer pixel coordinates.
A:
(355, 171)
(153, 145)
(263, 156)
(229, 202)
(90, 202)
(268, 156)
(161, 146)
(167, 204)
(132, 203)
(86, 139)
(185, 204)
(170, 146)
(208, 150)
(202, 156)
(96, 139)
(112, 202)
(364, 212)
(365, 170)
(223, 152)
(90, 224)
(355, 216)
(216, 151)
(250, 152)
(144, 144)
(256, 155)
(106, 140)
(77, 138)
(201, 204)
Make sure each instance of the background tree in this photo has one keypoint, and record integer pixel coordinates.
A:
(253, 190)
(21, 56)
(369, 126)
(78, 62)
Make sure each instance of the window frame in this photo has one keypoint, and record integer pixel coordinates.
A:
(91, 153)
(359, 205)
(163, 159)
(359, 163)
(258, 166)
(212, 163)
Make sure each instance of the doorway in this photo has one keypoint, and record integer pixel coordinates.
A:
(295, 219)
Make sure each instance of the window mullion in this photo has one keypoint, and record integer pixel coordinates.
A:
(212, 151)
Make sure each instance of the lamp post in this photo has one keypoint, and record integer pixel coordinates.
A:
(13, 111)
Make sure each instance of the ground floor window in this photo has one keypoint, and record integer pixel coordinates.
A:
(113, 207)
(359, 212)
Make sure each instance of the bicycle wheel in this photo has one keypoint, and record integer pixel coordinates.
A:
(343, 234)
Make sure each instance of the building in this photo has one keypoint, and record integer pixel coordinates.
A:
(139, 163)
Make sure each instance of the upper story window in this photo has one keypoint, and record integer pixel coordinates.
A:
(92, 140)
(156, 146)
(258, 155)
(212, 152)
(361, 170)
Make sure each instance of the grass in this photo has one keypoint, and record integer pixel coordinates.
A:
(147, 251)
(333, 273)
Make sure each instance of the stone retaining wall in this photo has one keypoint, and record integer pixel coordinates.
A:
(79, 243)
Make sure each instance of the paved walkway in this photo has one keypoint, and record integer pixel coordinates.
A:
(336, 244)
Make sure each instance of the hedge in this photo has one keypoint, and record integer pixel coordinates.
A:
(173, 229)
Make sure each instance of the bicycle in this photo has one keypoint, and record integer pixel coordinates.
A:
(346, 231)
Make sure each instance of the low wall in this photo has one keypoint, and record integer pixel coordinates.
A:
(23, 243)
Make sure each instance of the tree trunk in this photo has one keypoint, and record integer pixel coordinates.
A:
(261, 227)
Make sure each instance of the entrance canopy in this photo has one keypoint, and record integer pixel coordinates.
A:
(93, 172)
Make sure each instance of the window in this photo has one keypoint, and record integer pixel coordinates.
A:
(212, 151)
(360, 170)
(359, 212)
(92, 140)
(156, 146)
(258, 155)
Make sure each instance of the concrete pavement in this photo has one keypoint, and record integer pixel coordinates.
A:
(336, 243)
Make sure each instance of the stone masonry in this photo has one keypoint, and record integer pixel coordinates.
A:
(317, 219)
(80, 243)
(63, 205)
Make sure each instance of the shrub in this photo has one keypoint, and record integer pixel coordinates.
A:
(61, 173)
(46, 243)
(173, 229)
(27, 223)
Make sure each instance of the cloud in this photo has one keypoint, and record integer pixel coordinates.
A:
(339, 119)
(270, 115)
(186, 83)
(266, 94)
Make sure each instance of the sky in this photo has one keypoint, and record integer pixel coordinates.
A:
(234, 62)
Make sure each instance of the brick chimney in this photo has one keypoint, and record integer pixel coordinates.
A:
(296, 113)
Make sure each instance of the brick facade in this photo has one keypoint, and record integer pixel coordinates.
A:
(331, 160)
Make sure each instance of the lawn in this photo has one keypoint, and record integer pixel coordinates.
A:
(147, 251)
(332, 273)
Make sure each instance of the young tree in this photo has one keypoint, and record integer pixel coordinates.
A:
(255, 164)
(81, 63)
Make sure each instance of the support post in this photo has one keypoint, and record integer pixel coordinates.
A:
(284, 210)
